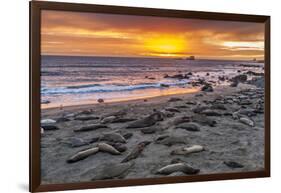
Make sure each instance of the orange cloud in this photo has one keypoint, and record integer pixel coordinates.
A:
(74, 33)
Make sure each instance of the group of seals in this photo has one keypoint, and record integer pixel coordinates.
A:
(101, 147)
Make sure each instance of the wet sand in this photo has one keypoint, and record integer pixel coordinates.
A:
(230, 145)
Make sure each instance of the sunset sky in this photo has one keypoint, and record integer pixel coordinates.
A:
(89, 34)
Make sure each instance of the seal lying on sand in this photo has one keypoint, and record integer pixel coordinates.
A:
(136, 151)
(191, 126)
(83, 154)
(171, 140)
(108, 171)
(104, 147)
(113, 137)
(177, 167)
(147, 121)
(187, 150)
(90, 127)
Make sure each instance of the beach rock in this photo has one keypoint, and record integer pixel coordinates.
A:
(164, 85)
(45, 102)
(191, 126)
(49, 127)
(240, 78)
(254, 73)
(247, 121)
(207, 88)
(210, 112)
(109, 171)
(187, 150)
(257, 81)
(136, 151)
(100, 101)
(113, 137)
(189, 73)
(233, 164)
(174, 99)
(83, 154)
(104, 147)
(204, 120)
(221, 78)
(234, 84)
(207, 74)
(147, 121)
(198, 95)
(171, 140)
(86, 117)
(90, 127)
(177, 167)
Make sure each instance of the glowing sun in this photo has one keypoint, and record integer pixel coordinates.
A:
(166, 46)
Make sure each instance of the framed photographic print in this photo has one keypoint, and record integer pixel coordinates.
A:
(123, 96)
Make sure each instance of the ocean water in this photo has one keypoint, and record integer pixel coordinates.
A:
(73, 80)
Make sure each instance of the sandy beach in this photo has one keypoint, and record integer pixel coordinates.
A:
(208, 132)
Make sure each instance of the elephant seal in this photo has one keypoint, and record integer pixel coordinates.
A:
(113, 137)
(86, 117)
(204, 120)
(76, 142)
(233, 164)
(83, 154)
(90, 127)
(108, 171)
(177, 167)
(147, 121)
(187, 150)
(104, 147)
(247, 121)
(191, 126)
(171, 140)
(136, 151)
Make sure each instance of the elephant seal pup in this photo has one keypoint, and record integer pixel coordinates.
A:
(188, 150)
(119, 146)
(108, 171)
(90, 127)
(83, 154)
(104, 147)
(233, 164)
(172, 140)
(147, 121)
(177, 167)
(247, 121)
(113, 137)
(191, 126)
(136, 151)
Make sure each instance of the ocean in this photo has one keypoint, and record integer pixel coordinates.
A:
(76, 80)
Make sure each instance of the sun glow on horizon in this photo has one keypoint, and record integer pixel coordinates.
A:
(166, 46)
